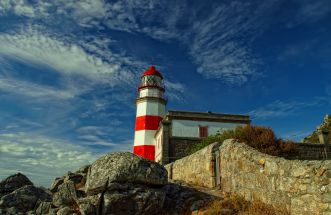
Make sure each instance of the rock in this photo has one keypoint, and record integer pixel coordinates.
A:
(89, 204)
(197, 205)
(87, 209)
(123, 167)
(83, 169)
(12, 183)
(183, 200)
(95, 199)
(25, 198)
(326, 125)
(66, 195)
(78, 179)
(66, 211)
(11, 211)
(133, 199)
(57, 182)
(44, 208)
(53, 211)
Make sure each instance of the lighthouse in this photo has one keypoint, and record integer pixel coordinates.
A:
(151, 104)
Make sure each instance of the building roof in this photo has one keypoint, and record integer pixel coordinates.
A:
(207, 116)
(152, 71)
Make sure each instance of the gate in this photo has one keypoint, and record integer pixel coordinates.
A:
(217, 168)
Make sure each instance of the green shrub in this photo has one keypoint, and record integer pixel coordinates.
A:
(258, 137)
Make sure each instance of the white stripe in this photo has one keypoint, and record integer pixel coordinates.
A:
(150, 108)
(144, 137)
(149, 92)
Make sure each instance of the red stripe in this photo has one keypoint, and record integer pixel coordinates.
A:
(147, 122)
(145, 151)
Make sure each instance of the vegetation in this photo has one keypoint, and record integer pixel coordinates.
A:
(260, 138)
(235, 204)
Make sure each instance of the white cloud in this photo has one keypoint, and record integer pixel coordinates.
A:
(174, 90)
(309, 11)
(218, 41)
(221, 42)
(19, 7)
(40, 158)
(35, 47)
(97, 135)
(279, 108)
(34, 90)
(214, 41)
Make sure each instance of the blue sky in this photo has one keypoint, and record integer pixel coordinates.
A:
(69, 71)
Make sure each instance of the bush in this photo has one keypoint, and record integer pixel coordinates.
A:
(258, 137)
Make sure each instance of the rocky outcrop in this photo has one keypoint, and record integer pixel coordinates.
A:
(117, 183)
(123, 167)
(13, 183)
(326, 125)
(24, 199)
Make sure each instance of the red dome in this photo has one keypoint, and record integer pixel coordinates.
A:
(152, 71)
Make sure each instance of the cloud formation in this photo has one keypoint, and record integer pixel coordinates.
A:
(215, 42)
(32, 90)
(280, 108)
(35, 155)
(40, 48)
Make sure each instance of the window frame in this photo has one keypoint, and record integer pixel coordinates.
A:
(203, 131)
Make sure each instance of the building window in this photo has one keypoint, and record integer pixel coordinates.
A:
(203, 131)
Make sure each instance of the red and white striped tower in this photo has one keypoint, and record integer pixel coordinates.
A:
(150, 111)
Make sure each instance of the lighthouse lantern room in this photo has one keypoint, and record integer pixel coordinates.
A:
(151, 104)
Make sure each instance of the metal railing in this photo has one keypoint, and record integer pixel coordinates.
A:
(158, 85)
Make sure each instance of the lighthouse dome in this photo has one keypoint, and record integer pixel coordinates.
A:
(152, 71)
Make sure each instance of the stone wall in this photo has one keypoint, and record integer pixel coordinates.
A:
(178, 147)
(303, 187)
(196, 169)
(313, 151)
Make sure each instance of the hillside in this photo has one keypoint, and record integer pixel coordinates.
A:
(326, 125)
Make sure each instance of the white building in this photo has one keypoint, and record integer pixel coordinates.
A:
(180, 130)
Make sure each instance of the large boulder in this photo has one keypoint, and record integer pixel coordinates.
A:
(44, 208)
(12, 183)
(184, 200)
(25, 198)
(78, 177)
(66, 195)
(123, 167)
(132, 199)
(90, 204)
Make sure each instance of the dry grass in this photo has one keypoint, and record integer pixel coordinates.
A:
(264, 140)
(237, 205)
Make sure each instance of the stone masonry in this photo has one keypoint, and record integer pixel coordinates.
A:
(196, 169)
(303, 187)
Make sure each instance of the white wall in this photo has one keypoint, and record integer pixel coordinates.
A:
(144, 137)
(153, 92)
(151, 108)
(188, 128)
(158, 140)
